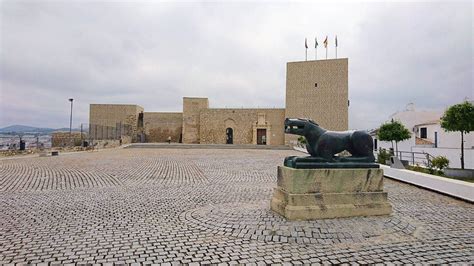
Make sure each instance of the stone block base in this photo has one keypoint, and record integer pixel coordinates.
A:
(308, 194)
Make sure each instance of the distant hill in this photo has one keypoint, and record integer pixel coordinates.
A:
(29, 129)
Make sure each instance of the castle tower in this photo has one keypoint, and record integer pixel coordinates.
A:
(318, 90)
(191, 118)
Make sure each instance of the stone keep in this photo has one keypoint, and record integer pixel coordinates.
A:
(307, 194)
(318, 90)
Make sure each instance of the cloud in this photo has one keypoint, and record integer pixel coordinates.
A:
(417, 53)
(153, 54)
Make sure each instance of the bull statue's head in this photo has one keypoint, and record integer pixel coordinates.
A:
(297, 126)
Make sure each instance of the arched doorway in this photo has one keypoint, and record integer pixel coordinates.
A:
(229, 132)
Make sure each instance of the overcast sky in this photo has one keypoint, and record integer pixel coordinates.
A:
(153, 54)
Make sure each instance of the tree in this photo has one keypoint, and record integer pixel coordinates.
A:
(459, 117)
(393, 131)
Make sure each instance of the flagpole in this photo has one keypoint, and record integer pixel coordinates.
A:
(326, 46)
(306, 49)
(315, 48)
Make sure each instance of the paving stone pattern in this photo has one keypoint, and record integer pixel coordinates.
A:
(205, 206)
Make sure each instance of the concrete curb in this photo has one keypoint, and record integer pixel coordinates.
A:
(454, 188)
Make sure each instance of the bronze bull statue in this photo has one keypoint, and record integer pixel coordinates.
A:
(323, 144)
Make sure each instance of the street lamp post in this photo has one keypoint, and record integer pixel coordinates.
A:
(70, 118)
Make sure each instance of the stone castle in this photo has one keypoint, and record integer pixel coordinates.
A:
(317, 90)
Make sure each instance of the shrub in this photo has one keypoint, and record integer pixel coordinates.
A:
(302, 140)
(440, 162)
(383, 156)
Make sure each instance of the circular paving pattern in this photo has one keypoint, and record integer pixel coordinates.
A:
(257, 221)
(204, 206)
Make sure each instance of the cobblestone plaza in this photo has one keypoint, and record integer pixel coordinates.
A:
(205, 206)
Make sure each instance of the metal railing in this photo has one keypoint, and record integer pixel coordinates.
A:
(101, 132)
(414, 158)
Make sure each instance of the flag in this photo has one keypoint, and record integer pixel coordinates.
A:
(326, 42)
(305, 43)
(336, 40)
(315, 42)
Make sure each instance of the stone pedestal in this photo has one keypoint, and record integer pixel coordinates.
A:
(308, 194)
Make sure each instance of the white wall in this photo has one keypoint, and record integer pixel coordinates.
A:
(409, 118)
(453, 139)
(430, 131)
(453, 155)
(446, 139)
(402, 146)
(449, 143)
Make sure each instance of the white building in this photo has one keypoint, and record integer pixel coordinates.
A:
(428, 137)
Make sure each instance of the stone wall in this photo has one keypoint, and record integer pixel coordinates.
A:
(314, 89)
(63, 139)
(160, 125)
(114, 119)
(318, 90)
(214, 122)
(106, 143)
(191, 112)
